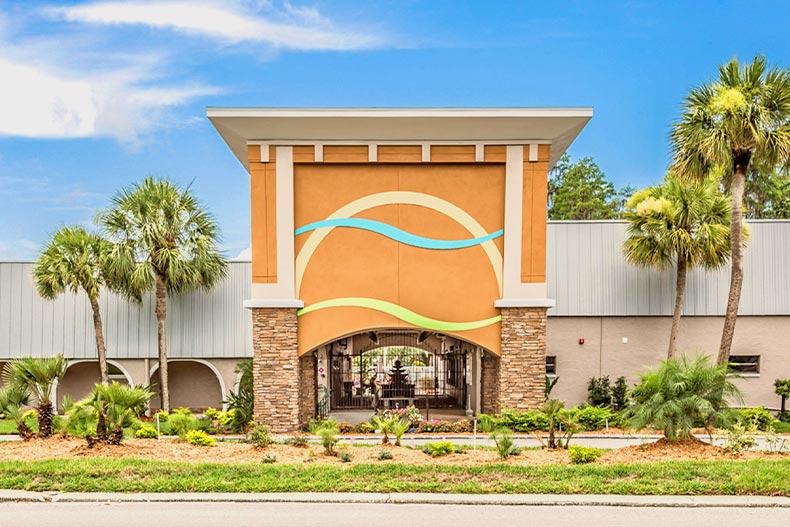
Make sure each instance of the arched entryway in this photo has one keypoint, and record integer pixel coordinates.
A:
(82, 375)
(389, 368)
(194, 383)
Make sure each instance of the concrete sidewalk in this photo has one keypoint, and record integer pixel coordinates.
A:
(20, 496)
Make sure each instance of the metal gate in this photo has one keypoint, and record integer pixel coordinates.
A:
(398, 369)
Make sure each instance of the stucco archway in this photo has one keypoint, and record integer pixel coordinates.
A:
(194, 383)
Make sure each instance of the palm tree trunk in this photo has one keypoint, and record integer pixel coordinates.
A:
(161, 319)
(736, 254)
(101, 350)
(680, 289)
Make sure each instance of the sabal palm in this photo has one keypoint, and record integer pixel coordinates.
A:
(680, 393)
(75, 260)
(12, 401)
(38, 375)
(686, 224)
(164, 241)
(739, 119)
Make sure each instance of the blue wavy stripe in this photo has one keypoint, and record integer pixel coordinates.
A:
(397, 234)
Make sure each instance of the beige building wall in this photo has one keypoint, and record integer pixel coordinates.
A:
(616, 346)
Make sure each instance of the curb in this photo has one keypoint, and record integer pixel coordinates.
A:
(18, 496)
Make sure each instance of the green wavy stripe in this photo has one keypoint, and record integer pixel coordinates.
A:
(400, 312)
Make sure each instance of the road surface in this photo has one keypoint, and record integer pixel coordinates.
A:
(377, 515)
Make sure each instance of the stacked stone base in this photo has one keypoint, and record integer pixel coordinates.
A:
(283, 383)
(517, 379)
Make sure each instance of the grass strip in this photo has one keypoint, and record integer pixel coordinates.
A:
(755, 477)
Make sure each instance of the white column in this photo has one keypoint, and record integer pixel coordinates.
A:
(283, 292)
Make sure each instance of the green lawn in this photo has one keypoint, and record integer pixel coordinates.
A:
(681, 477)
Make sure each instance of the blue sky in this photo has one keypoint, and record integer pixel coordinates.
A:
(95, 95)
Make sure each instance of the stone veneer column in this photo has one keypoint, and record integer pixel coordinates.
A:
(275, 369)
(522, 365)
(307, 387)
(490, 383)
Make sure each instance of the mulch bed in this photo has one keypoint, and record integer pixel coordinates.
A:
(231, 452)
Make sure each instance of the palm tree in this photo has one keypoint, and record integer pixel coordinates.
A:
(12, 401)
(163, 241)
(680, 394)
(74, 260)
(38, 376)
(682, 224)
(729, 124)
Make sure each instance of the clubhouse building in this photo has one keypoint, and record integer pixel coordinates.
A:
(403, 256)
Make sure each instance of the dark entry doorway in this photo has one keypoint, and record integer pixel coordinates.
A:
(398, 368)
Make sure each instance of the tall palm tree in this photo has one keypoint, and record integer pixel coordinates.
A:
(739, 119)
(38, 375)
(75, 259)
(164, 241)
(678, 223)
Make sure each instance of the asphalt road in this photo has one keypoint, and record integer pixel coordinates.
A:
(378, 515)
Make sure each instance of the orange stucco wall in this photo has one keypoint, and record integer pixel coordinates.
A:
(262, 215)
(533, 219)
(452, 285)
(456, 285)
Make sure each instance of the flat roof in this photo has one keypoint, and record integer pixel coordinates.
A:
(557, 126)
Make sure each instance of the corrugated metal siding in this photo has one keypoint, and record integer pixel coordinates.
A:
(588, 276)
(199, 324)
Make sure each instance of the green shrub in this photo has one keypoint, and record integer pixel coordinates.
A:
(345, 428)
(345, 456)
(528, 421)
(199, 438)
(740, 437)
(259, 436)
(486, 423)
(30, 414)
(227, 419)
(163, 416)
(298, 440)
(592, 417)
(599, 391)
(384, 455)
(314, 423)
(759, 417)
(180, 423)
(328, 434)
(463, 426)
(503, 439)
(146, 432)
(268, 459)
(583, 454)
(241, 403)
(213, 414)
(364, 428)
(438, 449)
(680, 394)
(181, 411)
(620, 394)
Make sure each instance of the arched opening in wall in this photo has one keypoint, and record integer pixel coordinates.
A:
(398, 368)
(194, 384)
(81, 376)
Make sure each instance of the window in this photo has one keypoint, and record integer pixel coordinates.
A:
(115, 373)
(745, 364)
(551, 365)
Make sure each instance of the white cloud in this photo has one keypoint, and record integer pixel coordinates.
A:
(41, 99)
(18, 249)
(244, 256)
(296, 28)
